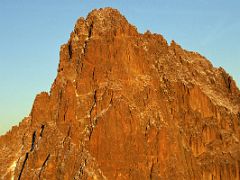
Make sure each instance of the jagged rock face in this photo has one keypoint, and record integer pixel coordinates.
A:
(126, 105)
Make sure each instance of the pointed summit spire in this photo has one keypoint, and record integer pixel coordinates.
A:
(106, 21)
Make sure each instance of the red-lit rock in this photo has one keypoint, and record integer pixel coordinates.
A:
(126, 105)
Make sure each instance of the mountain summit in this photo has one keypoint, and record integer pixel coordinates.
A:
(126, 105)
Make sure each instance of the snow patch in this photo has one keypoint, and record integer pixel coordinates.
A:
(13, 166)
(102, 112)
(11, 170)
(83, 95)
(145, 48)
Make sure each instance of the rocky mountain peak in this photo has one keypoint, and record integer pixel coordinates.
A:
(126, 105)
(105, 22)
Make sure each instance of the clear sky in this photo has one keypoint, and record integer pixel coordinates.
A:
(31, 33)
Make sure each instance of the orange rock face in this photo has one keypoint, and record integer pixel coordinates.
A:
(126, 105)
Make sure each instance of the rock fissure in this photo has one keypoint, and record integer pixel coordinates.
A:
(70, 50)
(33, 141)
(42, 130)
(151, 171)
(88, 38)
(23, 165)
(43, 166)
(94, 103)
(67, 136)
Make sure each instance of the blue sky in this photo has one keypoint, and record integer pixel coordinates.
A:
(32, 31)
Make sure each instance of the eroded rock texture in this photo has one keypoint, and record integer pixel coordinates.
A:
(126, 105)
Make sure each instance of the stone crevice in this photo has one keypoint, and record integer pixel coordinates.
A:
(33, 141)
(42, 130)
(43, 166)
(23, 165)
(85, 45)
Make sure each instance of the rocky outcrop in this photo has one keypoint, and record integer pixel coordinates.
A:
(126, 105)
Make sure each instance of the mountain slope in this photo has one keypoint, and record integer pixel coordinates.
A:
(126, 105)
